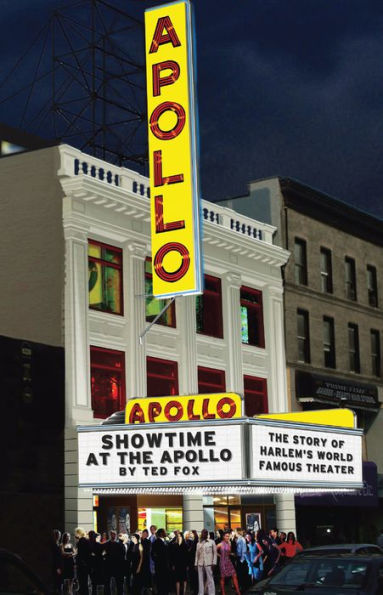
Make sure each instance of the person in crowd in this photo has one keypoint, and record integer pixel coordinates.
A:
(251, 553)
(274, 535)
(145, 571)
(67, 553)
(57, 565)
(136, 558)
(152, 538)
(160, 556)
(241, 565)
(179, 560)
(82, 560)
(191, 546)
(272, 559)
(205, 560)
(290, 547)
(96, 561)
(262, 551)
(104, 537)
(226, 567)
(114, 563)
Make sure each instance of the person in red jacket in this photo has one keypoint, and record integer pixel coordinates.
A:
(291, 546)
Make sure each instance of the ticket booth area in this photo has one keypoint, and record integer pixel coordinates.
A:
(127, 514)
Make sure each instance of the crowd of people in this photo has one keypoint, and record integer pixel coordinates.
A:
(151, 560)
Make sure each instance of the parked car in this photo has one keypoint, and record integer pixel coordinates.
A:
(342, 548)
(17, 578)
(332, 574)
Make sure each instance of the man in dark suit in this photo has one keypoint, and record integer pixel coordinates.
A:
(161, 562)
(114, 563)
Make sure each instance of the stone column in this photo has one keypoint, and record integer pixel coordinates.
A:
(231, 283)
(134, 298)
(192, 512)
(285, 509)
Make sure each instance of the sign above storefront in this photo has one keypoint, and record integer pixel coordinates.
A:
(329, 389)
(183, 408)
(233, 454)
(172, 130)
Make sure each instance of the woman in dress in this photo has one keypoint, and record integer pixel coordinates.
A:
(251, 553)
(261, 553)
(136, 559)
(226, 567)
(179, 559)
(67, 553)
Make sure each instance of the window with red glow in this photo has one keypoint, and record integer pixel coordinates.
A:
(162, 377)
(209, 308)
(153, 306)
(105, 277)
(255, 390)
(252, 317)
(107, 381)
(211, 380)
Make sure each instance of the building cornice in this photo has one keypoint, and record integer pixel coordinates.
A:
(88, 180)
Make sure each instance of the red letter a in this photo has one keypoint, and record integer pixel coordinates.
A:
(160, 38)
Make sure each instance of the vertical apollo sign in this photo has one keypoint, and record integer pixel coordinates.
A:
(175, 233)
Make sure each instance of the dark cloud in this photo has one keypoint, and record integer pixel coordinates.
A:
(286, 87)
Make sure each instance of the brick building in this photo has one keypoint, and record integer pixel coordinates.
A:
(333, 302)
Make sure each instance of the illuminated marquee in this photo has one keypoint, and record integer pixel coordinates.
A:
(176, 255)
(231, 454)
(190, 408)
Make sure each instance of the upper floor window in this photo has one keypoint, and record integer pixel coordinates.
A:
(350, 278)
(252, 317)
(209, 308)
(107, 369)
(105, 277)
(300, 261)
(153, 306)
(326, 270)
(353, 348)
(255, 393)
(303, 336)
(211, 380)
(328, 342)
(372, 286)
(375, 353)
(162, 377)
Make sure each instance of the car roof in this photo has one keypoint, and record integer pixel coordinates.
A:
(343, 546)
(338, 556)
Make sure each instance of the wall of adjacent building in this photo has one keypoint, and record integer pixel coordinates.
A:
(32, 264)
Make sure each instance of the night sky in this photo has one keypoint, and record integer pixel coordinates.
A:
(285, 87)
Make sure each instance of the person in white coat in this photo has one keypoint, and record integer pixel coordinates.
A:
(205, 560)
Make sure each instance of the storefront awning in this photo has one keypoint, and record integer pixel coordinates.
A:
(335, 391)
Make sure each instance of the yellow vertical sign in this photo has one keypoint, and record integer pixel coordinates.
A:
(175, 224)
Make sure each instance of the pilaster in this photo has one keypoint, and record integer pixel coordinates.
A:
(134, 256)
(186, 322)
(285, 510)
(77, 364)
(231, 284)
(275, 345)
(192, 512)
